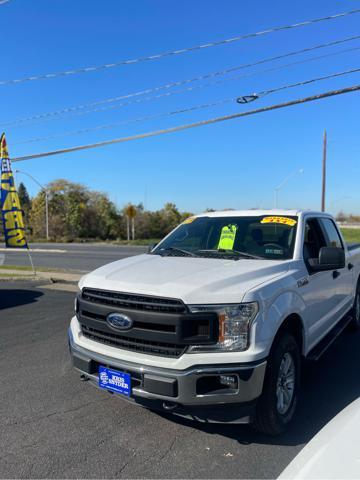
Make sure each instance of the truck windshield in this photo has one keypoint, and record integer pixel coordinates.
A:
(264, 236)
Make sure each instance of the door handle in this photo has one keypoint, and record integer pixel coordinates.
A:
(336, 274)
(350, 266)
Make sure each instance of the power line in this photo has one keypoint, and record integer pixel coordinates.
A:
(320, 96)
(189, 109)
(181, 82)
(298, 84)
(306, 82)
(216, 82)
(127, 122)
(177, 52)
(80, 109)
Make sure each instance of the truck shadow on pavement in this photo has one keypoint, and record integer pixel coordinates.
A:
(329, 385)
(15, 297)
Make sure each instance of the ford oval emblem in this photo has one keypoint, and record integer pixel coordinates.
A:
(119, 321)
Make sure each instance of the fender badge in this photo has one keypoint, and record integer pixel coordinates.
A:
(302, 282)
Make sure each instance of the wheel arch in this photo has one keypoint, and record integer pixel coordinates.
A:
(294, 325)
(285, 311)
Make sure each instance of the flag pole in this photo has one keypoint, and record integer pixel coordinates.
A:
(31, 261)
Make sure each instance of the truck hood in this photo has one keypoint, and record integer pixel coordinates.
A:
(193, 280)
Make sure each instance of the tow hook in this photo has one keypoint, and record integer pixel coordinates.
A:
(169, 406)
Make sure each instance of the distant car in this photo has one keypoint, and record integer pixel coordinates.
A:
(333, 453)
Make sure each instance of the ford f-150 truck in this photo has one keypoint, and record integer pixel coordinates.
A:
(213, 323)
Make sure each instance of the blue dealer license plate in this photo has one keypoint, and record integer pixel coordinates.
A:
(118, 382)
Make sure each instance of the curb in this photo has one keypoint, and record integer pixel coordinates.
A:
(28, 278)
(44, 277)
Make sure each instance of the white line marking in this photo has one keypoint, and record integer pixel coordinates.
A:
(32, 250)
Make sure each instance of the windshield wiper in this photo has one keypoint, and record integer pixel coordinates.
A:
(232, 252)
(177, 250)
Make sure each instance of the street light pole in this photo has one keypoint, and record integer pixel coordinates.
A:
(276, 191)
(46, 199)
(283, 183)
(323, 186)
(47, 213)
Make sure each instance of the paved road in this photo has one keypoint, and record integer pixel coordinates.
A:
(82, 257)
(55, 426)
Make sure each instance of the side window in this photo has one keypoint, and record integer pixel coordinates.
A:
(332, 235)
(313, 241)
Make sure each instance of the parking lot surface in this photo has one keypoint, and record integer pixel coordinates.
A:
(55, 426)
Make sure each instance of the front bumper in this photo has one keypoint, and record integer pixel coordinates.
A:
(178, 391)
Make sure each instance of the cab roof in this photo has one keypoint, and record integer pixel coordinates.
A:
(257, 213)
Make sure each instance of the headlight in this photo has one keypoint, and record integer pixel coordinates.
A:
(234, 326)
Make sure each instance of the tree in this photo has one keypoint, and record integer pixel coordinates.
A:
(75, 212)
(101, 217)
(37, 217)
(185, 215)
(341, 217)
(25, 202)
(171, 217)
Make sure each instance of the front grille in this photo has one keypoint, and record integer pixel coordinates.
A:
(154, 327)
(133, 301)
(160, 326)
(133, 344)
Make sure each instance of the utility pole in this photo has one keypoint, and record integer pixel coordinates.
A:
(323, 192)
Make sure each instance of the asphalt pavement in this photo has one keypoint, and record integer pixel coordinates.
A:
(81, 257)
(55, 426)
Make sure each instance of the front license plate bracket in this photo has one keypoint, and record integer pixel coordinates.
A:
(115, 381)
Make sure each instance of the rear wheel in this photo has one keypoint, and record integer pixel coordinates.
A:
(276, 406)
(355, 323)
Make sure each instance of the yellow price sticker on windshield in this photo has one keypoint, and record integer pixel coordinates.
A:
(189, 220)
(282, 220)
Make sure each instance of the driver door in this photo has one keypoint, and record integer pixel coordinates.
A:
(344, 276)
(319, 293)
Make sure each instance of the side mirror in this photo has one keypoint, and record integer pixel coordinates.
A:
(151, 247)
(330, 258)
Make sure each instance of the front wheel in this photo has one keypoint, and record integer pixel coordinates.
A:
(276, 406)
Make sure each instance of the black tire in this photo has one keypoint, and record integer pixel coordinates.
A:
(268, 418)
(355, 311)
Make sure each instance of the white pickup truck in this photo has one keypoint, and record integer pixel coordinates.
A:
(213, 322)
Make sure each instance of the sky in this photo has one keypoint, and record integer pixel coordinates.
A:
(234, 164)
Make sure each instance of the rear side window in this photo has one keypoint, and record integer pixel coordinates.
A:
(332, 235)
